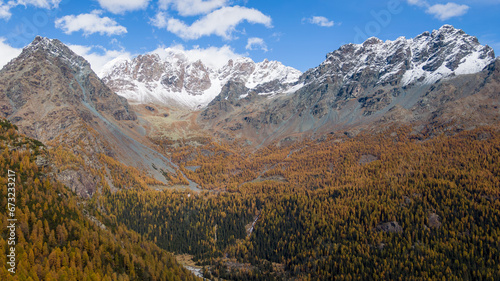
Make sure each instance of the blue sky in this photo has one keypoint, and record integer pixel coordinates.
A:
(297, 33)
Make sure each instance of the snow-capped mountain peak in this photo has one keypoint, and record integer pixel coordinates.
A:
(425, 59)
(53, 49)
(172, 77)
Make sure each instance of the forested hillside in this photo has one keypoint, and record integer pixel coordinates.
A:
(390, 206)
(56, 238)
(396, 205)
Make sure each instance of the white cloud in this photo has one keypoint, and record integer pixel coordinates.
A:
(160, 20)
(5, 11)
(221, 22)
(420, 3)
(45, 4)
(255, 43)
(90, 24)
(122, 6)
(212, 57)
(8, 52)
(98, 56)
(192, 7)
(447, 11)
(441, 11)
(321, 21)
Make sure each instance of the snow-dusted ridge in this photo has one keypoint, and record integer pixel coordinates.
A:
(427, 58)
(171, 77)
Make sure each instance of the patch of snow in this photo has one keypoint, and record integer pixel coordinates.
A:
(294, 89)
(471, 64)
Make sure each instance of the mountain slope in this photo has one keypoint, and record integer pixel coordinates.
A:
(49, 81)
(53, 95)
(418, 81)
(173, 78)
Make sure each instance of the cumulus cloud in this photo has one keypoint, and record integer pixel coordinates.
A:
(90, 24)
(447, 11)
(255, 43)
(221, 22)
(320, 21)
(45, 4)
(98, 56)
(441, 11)
(192, 7)
(122, 6)
(8, 52)
(212, 57)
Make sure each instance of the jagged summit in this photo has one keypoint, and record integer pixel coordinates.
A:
(48, 81)
(53, 49)
(173, 78)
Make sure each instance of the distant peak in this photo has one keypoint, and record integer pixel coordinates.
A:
(446, 26)
(40, 41)
(448, 29)
(372, 41)
(39, 38)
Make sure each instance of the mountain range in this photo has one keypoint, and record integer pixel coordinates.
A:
(380, 162)
(442, 80)
(428, 79)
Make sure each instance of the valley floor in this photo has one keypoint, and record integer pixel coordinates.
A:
(395, 205)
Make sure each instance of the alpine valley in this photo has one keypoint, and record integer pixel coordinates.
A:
(381, 163)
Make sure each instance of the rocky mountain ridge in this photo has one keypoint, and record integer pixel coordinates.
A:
(174, 79)
(425, 59)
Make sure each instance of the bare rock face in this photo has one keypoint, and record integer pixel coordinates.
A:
(434, 220)
(367, 159)
(42, 161)
(392, 227)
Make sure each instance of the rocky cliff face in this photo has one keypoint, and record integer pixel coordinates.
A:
(414, 80)
(176, 80)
